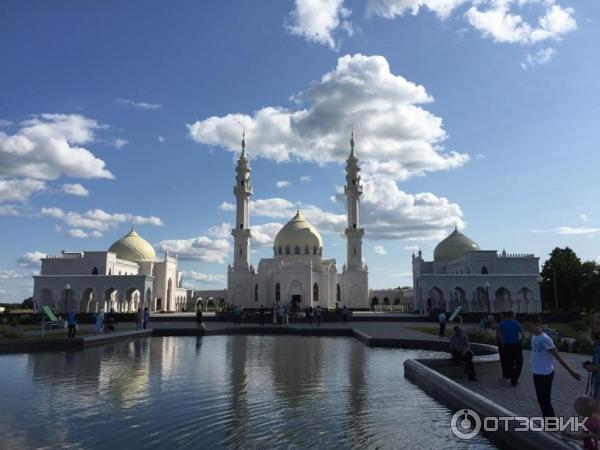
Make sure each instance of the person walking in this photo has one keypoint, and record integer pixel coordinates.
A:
(146, 318)
(261, 315)
(274, 315)
(286, 314)
(442, 322)
(279, 315)
(460, 349)
(318, 316)
(72, 323)
(345, 314)
(542, 352)
(99, 327)
(139, 319)
(593, 367)
(511, 334)
(501, 352)
(199, 318)
(306, 315)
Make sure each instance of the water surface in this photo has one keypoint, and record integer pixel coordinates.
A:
(220, 392)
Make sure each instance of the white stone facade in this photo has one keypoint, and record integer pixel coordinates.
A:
(478, 280)
(90, 280)
(297, 274)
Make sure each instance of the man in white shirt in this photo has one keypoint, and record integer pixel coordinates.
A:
(542, 353)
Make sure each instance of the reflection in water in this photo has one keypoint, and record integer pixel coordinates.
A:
(224, 392)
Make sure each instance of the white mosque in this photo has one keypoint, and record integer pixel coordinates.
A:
(126, 277)
(298, 274)
(461, 274)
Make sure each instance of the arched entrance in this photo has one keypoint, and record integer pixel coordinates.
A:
(296, 295)
(502, 300)
(89, 303)
(46, 299)
(437, 298)
(110, 299)
(169, 295)
(525, 301)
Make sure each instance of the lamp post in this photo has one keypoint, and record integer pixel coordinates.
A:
(487, 291)
(67, 289)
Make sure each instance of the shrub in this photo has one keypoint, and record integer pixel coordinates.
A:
(482, 338)
(563, 345)
(582, 345)
(582, 324)
(12, 333)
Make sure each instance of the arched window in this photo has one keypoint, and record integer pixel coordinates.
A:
(119, 272)
(306, 250)
(277, 292)
(315, 292)
(320, 250)
(242, 183)
(353, 181)
(274, 251)
(484, 270)
(297, 250)
(110, 271)
(95, 271)
(354, 226)
(279, 249)
(240, 251)
(338, 294)
(241, 226)
(256, 292)
(287, 249)
(315, 250)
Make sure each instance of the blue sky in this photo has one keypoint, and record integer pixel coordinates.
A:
(477, 113)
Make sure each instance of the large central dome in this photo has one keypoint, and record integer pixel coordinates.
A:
(298, 236)
(454, 247)
(133, 247)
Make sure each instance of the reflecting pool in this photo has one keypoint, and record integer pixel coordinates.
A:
(220, 391)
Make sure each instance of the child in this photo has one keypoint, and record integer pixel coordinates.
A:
(587, 407)
(542, 351)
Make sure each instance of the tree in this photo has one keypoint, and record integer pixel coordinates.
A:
(567, 267)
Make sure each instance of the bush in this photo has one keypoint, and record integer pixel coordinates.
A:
(12, 333)
(582, 345)
(582, 324)
(563, 345)
(482, 338)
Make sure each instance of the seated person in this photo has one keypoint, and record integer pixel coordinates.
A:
(461, 351)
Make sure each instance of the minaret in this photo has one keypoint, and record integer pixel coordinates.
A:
(241, 233)
(353, 191)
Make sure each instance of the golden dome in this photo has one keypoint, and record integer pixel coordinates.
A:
(298, 232)
(133, 247)
(454, 247)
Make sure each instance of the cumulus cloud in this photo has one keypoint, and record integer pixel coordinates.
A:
(318, 20)
(583, 217)
(13, 275)
(80, 234)
(98, 219)
(499, 20)
(50, 145)
(379, 250)
(282, 184)
(19, 189)
(305, 179)
(140, 105)
(207, 278)
(120, 143)
(75, 189)
(5, 123)
(396, 136)
(31, 259)
(391, 9)
(264, 235)
(201, 248)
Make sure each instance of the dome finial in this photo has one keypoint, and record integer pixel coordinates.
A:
(352, 141)
(244, 142)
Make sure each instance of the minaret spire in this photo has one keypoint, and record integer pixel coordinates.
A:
(353, 191)
(242, 191)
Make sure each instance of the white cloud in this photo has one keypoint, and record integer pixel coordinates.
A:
(140, 105)
(583, 217)
(282, 184)
(201, 248)
(391, 9)
(318, 20)
(264, 234)
(578, 230)
(31, 259)
(77, 233)
(19, 189)
(13, 274)
(161, 139)
(305, 179)
(98, 219)
(203, 277)
(50, 145)
(120, 143)
(379, 250)
(542, 56)
(5, 123)
(396, 138)
(75, 189)
(499, 21)
(221, 231)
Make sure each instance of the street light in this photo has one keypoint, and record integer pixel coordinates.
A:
(67, 289)
(487, 291)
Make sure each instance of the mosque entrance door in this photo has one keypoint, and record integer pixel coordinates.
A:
(159, 304)
(296, 302)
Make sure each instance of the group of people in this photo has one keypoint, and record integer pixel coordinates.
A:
(509, 338)
(313, 315)
(107, 322)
